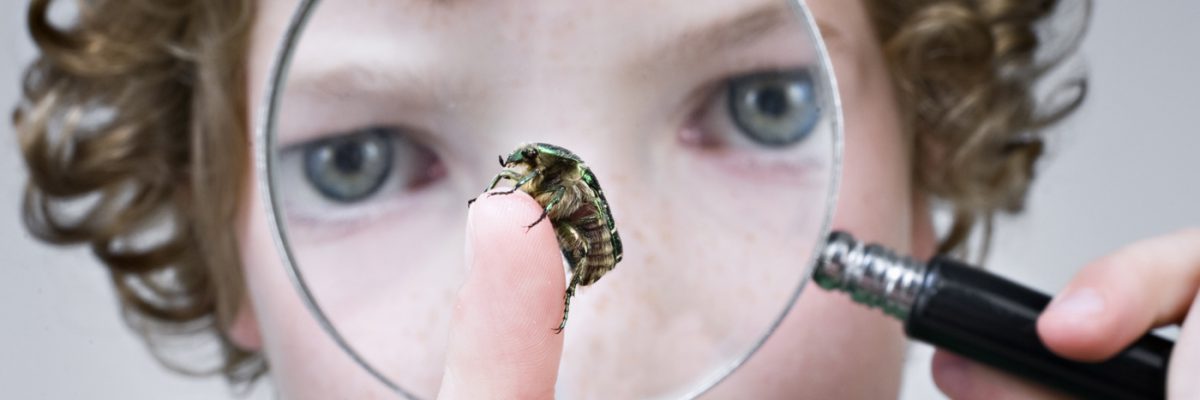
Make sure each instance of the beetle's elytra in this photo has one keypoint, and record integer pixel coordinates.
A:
(571, 198)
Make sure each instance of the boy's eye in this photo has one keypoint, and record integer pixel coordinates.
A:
(352, 167)
(774, 108)
(349, 168)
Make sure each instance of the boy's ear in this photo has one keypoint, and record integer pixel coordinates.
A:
(243, 330)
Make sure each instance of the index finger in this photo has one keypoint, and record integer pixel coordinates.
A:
(502, 342)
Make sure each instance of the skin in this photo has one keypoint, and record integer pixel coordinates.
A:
(494, 341)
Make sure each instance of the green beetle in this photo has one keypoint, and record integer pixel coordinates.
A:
(571, 198)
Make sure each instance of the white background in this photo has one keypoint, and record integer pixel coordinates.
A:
(1123, 168)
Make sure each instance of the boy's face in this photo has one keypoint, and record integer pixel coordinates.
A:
(431, 91)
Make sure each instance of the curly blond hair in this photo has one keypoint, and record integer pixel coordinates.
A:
(132, 116)
(138, 108)
(965, 72)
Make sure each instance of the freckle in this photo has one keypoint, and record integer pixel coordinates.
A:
(595, 346)
(743, 293)
(423, 335)
(434, 319)
(637, 235)
(566, 28)
(751, 237)
(600, 304)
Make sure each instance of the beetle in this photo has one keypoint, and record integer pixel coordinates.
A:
(571, 198)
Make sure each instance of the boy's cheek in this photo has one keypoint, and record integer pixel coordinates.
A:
(304, 362)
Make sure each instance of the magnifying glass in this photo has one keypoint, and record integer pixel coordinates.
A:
(717, 136)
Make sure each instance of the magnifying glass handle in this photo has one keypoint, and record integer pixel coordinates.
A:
(984, 317)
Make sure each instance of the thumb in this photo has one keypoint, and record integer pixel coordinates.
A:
(502, 343)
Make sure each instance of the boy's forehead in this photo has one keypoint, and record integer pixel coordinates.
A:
(614, 26)
(521, 14)
(438, 46)
(524, 18)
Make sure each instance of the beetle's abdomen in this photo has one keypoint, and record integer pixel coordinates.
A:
(600, 257)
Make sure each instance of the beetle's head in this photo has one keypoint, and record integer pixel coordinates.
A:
(527, 155)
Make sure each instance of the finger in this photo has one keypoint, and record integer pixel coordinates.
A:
(501, 344)
(959, 379)
(1118, 298)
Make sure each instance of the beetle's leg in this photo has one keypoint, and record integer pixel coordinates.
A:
(575, 249)
(558, 195)
(504, 174)
(567, 302)
(571, 242)
(520, 182)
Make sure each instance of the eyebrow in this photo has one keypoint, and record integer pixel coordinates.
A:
(730, 32)
(345, 79)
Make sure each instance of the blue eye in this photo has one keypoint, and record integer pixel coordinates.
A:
(349, 168)
(775, 109)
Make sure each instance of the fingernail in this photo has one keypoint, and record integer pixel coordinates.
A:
(1082, 302)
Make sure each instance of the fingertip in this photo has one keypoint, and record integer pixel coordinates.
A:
(1077, 325)
(1099, 313)
(513, 268)
(501, 341)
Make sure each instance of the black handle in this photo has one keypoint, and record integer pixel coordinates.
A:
(993, 320)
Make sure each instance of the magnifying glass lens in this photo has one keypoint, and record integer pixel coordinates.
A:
(712, 126)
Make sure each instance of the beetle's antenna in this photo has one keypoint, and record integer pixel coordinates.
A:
(501, 158)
